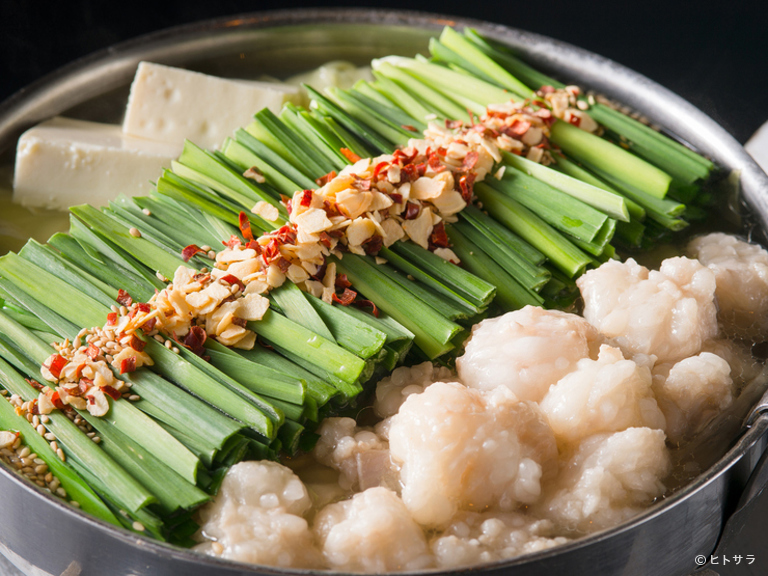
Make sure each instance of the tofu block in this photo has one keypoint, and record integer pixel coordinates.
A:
(64, 162)
(171, 104)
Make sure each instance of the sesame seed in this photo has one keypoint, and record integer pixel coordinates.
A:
(25, 452)
(54, 446)
(49, 437)
(161, 277)
(123, 311)
(205, 248)
(138, 526)
(40, 430)
(217, 547)
(134, 232)
(159, 338)
(61, 492)
(211, 254)
(134, 397)
(147, 212)
(96, 439)
(114, 309)
(62, 457)
(41, 469)
(75, 504)
(168, 344)
(175, 350)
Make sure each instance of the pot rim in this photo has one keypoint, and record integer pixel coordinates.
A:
(24, 108)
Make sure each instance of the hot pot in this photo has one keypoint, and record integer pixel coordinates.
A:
(42, 536)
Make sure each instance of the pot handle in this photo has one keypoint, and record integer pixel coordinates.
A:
(744, 532)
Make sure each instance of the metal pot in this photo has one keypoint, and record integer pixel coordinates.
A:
(43, 536)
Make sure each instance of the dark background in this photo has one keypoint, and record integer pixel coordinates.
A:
(714, 54)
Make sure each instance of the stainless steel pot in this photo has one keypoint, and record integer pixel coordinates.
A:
(43, 536)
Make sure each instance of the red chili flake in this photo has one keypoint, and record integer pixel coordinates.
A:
(34, 383)
(496, 114)
(82, 387)
(190, 251)
(412, 210)
(245, 226)
(408, 173)
(434, 163)
(149, 325)
(233, 242)
(306, 198)
(547, 89)
(143, 307)
(91, 399)
(466, 183)
(283, 264)
(361, 184)
(373, 244)
(379, 167)
(254, 245)
(124, 298)
(346, 298)
(518, 128)
(231, 279)
(128, 364)
(342, 281)
(286, 202)
(336, 233)
(138, 344)
(485, 131)
(453, 124)
(112, 318)
(263, 344)
(330, 209)
(33, 407)
(323, 180)
(543, 113)
(56, 401)
(111, 392)
(320, 274)
(408, 127)
(271, 251)
(195, 339)
(57, 363)
(79, 371)
(349, 155)
(92, 351)
(575, 120)
(325, 239)
(397, 198)
(286, 235)
(469, 160)
(438, 237)
(471, 117)
(367, 304)
(421, 168)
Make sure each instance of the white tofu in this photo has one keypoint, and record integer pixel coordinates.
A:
(64, 162)
(171, 104)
